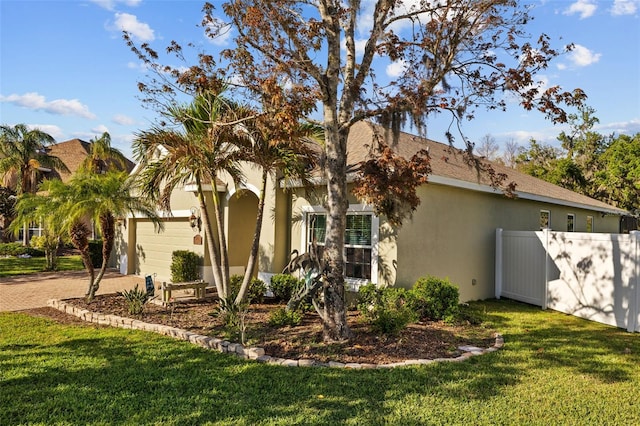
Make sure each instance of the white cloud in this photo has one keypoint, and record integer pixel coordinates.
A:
(111, 4)
(37, 102)
(130, 23)
(51, 129)
(100, 129)
(138, 66)
(630, 127)
(397, 68)
(123, 120)
(585, 8)
(581, 56)
(226, 32)
(624, 7)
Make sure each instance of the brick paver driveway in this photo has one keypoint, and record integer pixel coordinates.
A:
(33, 291)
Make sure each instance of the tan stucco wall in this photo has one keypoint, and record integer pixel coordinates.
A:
(452, 234)
(243, 207)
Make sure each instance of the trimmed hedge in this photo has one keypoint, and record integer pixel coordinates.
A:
(17, 249)
(184, 266)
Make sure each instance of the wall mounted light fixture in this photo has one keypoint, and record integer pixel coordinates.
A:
(195, 220)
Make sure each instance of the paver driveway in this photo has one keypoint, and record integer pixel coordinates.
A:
(33, 291)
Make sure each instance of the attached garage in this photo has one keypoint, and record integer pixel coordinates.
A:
(151, 253)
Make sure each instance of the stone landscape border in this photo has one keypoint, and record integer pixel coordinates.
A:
(254, 353)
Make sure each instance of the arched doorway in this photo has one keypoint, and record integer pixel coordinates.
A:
(243, 209)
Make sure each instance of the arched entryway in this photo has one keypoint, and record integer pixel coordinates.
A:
(243, 208)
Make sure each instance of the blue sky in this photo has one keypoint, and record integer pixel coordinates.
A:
(65, 69)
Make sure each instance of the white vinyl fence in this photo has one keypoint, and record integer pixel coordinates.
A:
(589, 275)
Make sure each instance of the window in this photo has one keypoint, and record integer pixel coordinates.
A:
(360, 239)
(34, 230)
(571, 218)
(589, 223)
(545, 219)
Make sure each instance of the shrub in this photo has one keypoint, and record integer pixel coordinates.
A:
(17, 249)
(281, 318)
(135, 299)
(257, 288)
(234, 317)
(435, 299)
(386, 309)
(184, 266)
(284, 285)
(468, 314)
(95, 251)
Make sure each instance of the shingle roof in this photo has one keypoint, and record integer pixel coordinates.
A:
(449, 167)
(72, 153)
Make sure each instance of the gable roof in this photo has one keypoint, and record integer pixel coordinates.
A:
(72, 153)
(449, 168)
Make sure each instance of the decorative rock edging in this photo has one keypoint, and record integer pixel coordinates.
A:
(254, 353)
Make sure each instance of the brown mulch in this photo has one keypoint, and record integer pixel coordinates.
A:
(423, 340)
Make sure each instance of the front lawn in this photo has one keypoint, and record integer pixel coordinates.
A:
(10, 266)
(554, 369)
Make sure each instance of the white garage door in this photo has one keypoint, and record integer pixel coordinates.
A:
(154, 249)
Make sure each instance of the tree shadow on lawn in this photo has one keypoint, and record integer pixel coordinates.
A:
(137, 377)
(145, 378)
(548, 339)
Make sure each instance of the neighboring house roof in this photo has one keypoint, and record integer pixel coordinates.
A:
(72, 153)
(449, 168)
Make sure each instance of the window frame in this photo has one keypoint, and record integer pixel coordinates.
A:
(351, 284)
(571, 220)
(548, 219)
(590, 224)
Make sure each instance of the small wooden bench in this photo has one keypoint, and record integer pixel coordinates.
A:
(199, 287)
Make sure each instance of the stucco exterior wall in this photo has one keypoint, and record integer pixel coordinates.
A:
(452, 234)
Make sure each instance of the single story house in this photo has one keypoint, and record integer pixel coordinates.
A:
(72, 153)
(451, 234)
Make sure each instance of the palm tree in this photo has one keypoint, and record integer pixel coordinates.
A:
(103, 157)
(104, 198)
(199, 152)
(292, 157)
(48, 209)
(22, 155)
(65, 208)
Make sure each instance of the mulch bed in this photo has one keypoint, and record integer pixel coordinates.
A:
(424, 340)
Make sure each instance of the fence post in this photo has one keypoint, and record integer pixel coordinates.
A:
(547, 260)
(634, 320)
(498, 263)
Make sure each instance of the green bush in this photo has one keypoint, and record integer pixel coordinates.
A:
(386, 309)
(284, 285)
(281, 318)
(435, 299)
(17, 249)
(95, 251)
(257, 288)
(184, 266)
(135, 299)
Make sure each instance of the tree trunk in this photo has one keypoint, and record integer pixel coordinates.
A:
(336, 118)
(80, 240)
(107, 227)
(335, 327)
(224, 257)
(255, 244)
(214, 255)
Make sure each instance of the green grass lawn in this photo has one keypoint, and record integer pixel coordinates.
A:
(10, 266)
(554, 369)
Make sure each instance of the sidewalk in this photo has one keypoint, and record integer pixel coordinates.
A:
(33, 291)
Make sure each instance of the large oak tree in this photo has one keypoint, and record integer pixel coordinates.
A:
(456, 56)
